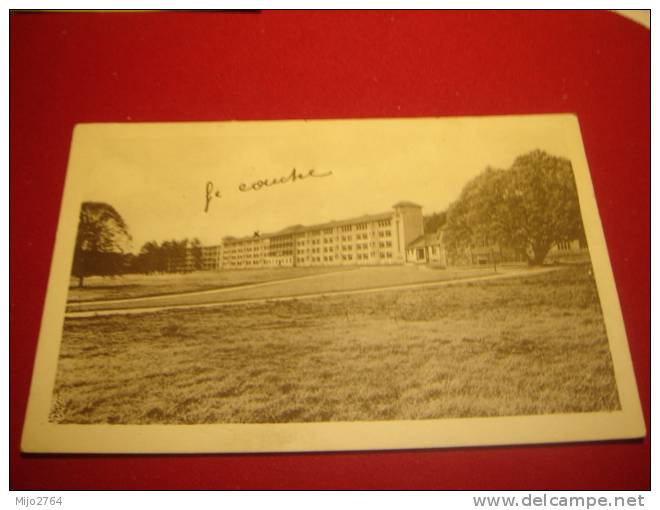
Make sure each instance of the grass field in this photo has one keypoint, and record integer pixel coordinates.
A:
(529, 345)
(305, 282)
(138, 285)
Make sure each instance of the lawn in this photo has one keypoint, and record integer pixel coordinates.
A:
(138, 285)
(528, 345)
(304, 283)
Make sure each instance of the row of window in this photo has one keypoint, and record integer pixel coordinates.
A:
(260, 262)
(345, 247)
(347, 257)
(326, 258)
(243, 250)
(331, 240)
(302, 251)
(257, 245)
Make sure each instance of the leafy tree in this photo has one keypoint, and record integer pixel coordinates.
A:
(150, 258)
(180, 254)
(174, 254)
(167, 253)
(434, 221)
(196, 247)
(171, 256)
(102, 234)
(471, 218)
(129, 262)
(529, 207)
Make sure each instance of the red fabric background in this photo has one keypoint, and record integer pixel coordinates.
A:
(68, 68)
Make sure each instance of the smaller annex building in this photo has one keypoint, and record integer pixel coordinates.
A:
(428, 248)
(432, 249)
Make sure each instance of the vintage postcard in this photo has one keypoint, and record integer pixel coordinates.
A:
(330, 285)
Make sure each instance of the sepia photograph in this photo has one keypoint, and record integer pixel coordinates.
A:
(391, 271)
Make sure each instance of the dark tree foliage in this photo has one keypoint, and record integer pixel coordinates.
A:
(529, 207)
(172, 256)
(176, 259)
(196, 249)
(434, 221)
(102, 235)
(150, 259)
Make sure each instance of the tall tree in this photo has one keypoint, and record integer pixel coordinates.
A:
(167, 254)
(197, 257)
(100, 241)
(180, 254)
(472, 217)
(150, 258)
(434, 221)
(529, 207)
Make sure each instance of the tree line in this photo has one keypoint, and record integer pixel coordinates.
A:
(435, 221)
(103, 237)
(169, 257)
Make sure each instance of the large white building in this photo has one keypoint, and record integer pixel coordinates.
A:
(392, 237)
(364, 240)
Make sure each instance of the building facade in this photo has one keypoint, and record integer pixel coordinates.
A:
(211, 257)
(365, 240)
(183, 263)
(392, 237)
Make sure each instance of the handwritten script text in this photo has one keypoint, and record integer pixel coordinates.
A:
(212, 192)
(292, 177)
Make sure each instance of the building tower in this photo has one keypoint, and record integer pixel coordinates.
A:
(409, 224)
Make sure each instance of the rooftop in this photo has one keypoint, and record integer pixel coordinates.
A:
(405, 203)
(296, 229)
(426, 240)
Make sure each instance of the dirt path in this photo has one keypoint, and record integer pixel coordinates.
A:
(150, 309)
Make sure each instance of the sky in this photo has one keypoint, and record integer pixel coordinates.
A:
(156, 175)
